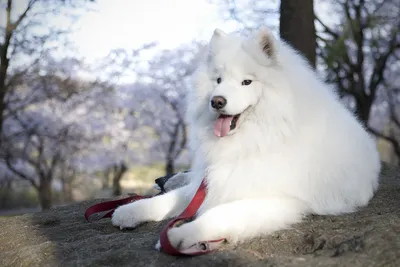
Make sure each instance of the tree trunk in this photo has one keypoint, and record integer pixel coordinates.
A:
(297, 26)
(4, 63)
(169, 166)
(3, 89)
(116, 187)
(67, 191)
(106, 179)
(45, 194)
(118, 174)
(6, 192)
(363, 109)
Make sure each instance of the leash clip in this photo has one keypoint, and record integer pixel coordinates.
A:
(203, 247)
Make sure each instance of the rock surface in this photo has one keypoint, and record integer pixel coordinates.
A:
(61, 237)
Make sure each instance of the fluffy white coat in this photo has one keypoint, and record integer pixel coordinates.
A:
(296, 149)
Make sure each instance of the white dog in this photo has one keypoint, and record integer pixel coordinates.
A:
(273, 142)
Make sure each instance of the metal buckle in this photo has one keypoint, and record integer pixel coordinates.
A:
(203, 247)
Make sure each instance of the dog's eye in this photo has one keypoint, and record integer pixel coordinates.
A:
(246, 82)
(219, 80)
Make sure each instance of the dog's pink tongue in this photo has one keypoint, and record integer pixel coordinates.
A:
(222, 126)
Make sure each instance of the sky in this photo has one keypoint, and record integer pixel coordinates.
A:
(129, 24)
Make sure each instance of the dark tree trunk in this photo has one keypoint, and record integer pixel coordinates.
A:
(116, 187)
(6, 192)
(67, 191)
(4, 62)
(297, 26)
(171, 153)
(170, 166)
(45, 194)
(119, 171)
(3, 89)
(106, 179)
(363, 109)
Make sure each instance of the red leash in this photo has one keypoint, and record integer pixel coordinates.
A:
(197, 249)
(109, 206)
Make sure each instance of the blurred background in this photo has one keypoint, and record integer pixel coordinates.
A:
(92, 93)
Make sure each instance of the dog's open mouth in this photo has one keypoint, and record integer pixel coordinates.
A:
(224, 124)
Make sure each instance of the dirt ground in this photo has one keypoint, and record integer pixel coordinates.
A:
(61, 237)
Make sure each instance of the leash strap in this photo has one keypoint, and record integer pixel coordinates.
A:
(196, 249)
(109, 206)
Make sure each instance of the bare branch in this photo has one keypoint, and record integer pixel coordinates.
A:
(395, 143)
(380, 63)
(14, 25)
(392, 108)
(327, 29)
(19, 173)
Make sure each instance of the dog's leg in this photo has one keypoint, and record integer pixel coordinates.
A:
(239, 220)
(157, 208)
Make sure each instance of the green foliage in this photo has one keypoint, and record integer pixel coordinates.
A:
(336, 50)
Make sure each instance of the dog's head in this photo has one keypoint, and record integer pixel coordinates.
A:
(236, 77)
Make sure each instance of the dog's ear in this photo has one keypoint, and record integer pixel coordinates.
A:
(267, 42)
(219, 33)
(216, 39)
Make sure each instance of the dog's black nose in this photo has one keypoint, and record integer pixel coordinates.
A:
(218, 102)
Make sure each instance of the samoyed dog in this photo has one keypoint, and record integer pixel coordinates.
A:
(272, 141)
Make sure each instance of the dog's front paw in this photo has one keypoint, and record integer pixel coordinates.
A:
(127, 216)
(183, 237)
(179, 238)
(189, 234)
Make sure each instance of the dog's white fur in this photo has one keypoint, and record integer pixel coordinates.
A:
(296, 150)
